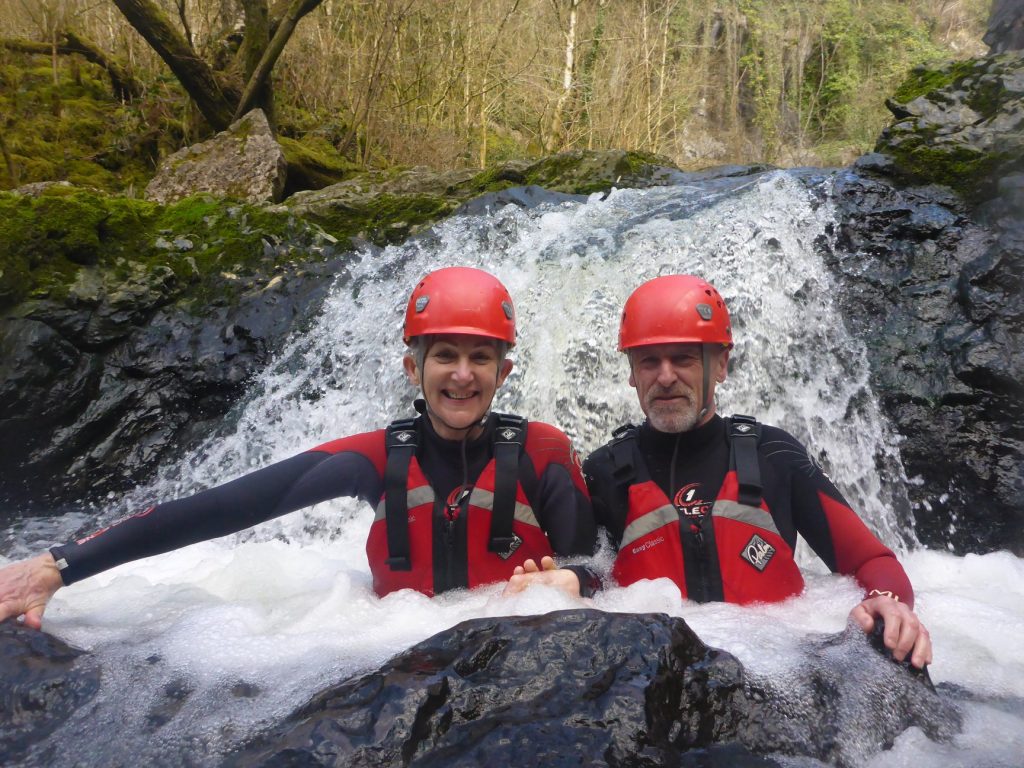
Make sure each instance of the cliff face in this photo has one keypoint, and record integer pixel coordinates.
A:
(126, 327)
(931, 250)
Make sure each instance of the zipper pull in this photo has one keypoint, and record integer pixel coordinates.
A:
(698, 533)
(452, 510)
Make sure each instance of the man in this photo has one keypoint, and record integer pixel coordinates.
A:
(716, 504)
(462, 495)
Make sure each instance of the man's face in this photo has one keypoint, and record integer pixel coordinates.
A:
(668, 380)
(459, 378)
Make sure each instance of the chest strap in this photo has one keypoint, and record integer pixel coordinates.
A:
(401, 442)
(744, 434)
(509, 438)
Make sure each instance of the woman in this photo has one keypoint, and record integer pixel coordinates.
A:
(463, 496)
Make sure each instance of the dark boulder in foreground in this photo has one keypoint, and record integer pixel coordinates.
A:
(586, 687)
(42, 682)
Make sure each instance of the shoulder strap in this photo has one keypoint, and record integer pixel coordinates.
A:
(744, 434)
(623, 449)
(625, 467)
(509, 439)
(401, 439)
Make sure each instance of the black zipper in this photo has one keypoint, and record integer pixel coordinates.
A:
(453, 513)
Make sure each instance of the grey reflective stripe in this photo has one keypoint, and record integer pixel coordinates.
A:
(652, 521)
(744, 513)
(485, 500)
(422, 495)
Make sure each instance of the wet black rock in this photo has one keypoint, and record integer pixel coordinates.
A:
(42, 683)
(1005, 26)
(99, 387)
(584, 687)
(931, 280)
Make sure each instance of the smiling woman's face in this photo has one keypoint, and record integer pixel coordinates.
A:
(459, 376)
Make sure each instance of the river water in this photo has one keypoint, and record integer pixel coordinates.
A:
(201, 646)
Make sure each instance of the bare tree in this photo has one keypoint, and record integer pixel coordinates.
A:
(556, 128)
(217, 94)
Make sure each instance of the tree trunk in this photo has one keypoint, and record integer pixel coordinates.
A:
(254, 44)
(12, 170)
(194, 74)
(259, 79)
(557, 129)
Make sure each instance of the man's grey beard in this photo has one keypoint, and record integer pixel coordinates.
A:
(675, 421)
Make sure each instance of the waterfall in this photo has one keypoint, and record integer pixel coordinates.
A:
(570, 268)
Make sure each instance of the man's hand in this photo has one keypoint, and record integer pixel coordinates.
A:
(546, 573)
(27, 586)
(904, 632)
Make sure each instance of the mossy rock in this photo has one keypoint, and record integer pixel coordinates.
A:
(960, 124)
(583, 172)
(313, 163)
(91, 141)
(381, 219)
(923, 79)
(47, 239)
(387, 206)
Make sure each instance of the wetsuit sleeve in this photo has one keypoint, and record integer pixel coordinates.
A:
(830, 526)
(560, 499)
(348, 467)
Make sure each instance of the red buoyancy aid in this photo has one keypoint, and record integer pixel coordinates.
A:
(484, 566)
(754, 562)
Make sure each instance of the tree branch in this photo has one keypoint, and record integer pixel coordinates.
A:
(124, 86)
(282, 34)
(195, 75)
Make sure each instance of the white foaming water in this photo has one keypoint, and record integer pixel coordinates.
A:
(201, 646)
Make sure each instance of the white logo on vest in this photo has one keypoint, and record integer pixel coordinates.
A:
(513, 546)
(758, 552)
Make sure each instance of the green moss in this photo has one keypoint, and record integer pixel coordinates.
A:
(587, 172)
(988, 97)
(923, 80)
(555, 172)
(493, 179)
(84, 173)
(968, 171)
(46, 240)
(313, 163)
(95, 140)
(43, 242)
(384, 219)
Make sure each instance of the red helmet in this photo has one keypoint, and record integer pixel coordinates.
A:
(675, 309)
(460, 300)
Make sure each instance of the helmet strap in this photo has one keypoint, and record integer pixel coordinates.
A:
(705, 394)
